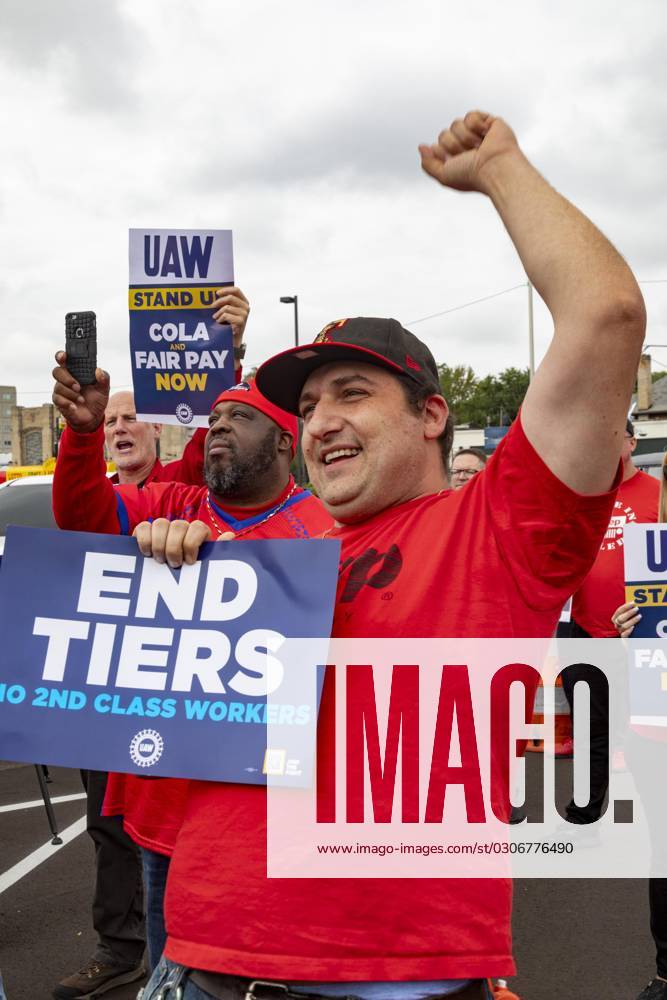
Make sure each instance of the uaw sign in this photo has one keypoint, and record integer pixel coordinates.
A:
(115, 662)
(646, 586)
(181, 358)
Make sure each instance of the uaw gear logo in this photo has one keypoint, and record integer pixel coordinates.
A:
(620, 517)
(324, 336)
(146, 748)
(184, 413)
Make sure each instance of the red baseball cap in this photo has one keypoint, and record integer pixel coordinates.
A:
(248, 393)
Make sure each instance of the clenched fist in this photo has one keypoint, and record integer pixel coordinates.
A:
(461, 156)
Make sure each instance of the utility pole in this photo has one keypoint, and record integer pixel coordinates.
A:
(531, 338)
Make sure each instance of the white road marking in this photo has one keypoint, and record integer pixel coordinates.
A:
(43, 853)
(40, 802)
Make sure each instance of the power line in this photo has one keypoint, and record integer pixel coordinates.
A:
(495, 295)
(464, 305)
(412, 322)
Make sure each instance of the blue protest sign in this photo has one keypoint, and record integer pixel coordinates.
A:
(645, 554)
(114, 662)
(181, 359)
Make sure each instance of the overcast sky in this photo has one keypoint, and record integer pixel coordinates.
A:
(296, 126)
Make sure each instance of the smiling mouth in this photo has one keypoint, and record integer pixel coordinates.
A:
(339, 455)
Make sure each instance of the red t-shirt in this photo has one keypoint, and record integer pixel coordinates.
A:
(603, 589)
(497, 559)
(85, 500)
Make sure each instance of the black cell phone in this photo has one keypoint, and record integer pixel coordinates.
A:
(81, 346)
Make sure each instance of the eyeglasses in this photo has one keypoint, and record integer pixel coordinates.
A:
(466, 473)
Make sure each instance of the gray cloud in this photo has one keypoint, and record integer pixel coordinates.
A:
(298, 130)
(370, 135)
(89, 47)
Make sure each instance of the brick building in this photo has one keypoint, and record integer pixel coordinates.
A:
(7, 405)
(34, 434)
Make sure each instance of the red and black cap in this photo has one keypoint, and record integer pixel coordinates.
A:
(382, 342)
(248, 393)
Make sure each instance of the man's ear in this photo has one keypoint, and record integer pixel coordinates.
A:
(434, 416)
(285, 441)
(157, 430)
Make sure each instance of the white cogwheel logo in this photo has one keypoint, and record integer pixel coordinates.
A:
(146, 748)
(184, 413)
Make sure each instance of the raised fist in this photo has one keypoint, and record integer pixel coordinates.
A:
(463, 152)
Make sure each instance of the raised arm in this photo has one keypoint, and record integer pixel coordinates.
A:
(575, 410)
(83, 497)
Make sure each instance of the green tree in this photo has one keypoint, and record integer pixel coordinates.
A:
(458, 386)
(512, 387)
(495, 399)
(484, 402)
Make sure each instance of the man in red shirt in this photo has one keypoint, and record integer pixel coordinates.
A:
(132, 446)
(601, 593)
(249, 493)
(118, 898)
(603, 589)
(496, 559)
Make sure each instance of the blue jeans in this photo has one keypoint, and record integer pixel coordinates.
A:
(168, 978)
(156, 869)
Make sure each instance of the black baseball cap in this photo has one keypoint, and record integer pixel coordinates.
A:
(382, 342)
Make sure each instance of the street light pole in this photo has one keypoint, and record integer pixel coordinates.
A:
(300, 465)
(289, 300)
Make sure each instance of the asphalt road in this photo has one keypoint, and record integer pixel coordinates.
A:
(574, 939)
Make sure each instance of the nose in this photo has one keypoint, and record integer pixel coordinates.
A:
(322, 421)
(220, 424)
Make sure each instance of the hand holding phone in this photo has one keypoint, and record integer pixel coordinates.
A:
(81, 346)
(77, 393)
